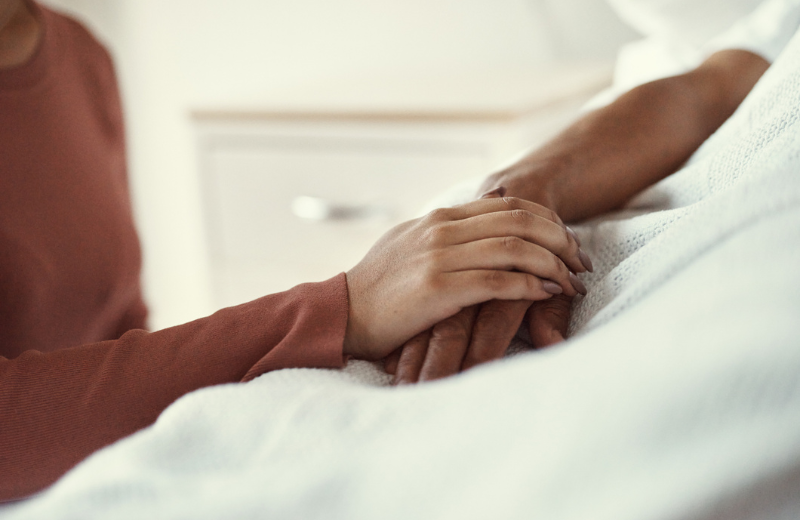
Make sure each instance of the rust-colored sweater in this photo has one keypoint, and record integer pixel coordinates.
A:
(76, 370)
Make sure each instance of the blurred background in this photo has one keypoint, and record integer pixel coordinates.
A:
(271, 142)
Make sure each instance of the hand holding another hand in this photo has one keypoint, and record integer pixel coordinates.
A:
(430, 269)
(482, 333)
(592, 167)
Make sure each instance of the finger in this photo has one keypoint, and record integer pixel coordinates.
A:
(495, 326)
(465, 288)
(411, 357)
(548, 320)
(390, 362)
(585, 263)
(448, 344)
(507, 254)
(490, 205)
(523, 224)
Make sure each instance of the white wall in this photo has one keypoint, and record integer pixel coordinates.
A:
(177, 55)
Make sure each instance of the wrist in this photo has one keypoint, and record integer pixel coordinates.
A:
(352, 346)
(533, 179)
(356, 337)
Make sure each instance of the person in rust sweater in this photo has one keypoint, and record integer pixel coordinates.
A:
(77, 369)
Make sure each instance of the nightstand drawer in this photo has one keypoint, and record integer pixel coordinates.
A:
(297, 197)
(282, 211)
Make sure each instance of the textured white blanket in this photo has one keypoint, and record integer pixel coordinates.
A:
(677, 398)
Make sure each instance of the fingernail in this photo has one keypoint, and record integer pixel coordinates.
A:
(585, 260)
(552, 287)
(577, 284)
(574, 235)
(497, 192)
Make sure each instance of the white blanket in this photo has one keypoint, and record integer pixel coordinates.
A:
(677, 398)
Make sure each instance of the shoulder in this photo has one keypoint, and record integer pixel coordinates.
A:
(76, 41)
(85, 67)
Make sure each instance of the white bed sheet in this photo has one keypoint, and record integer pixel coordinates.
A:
(677, 398)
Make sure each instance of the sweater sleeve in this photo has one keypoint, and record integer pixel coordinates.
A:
(59, 407)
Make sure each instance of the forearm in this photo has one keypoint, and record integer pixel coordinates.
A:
(59, 407)
(609, 155)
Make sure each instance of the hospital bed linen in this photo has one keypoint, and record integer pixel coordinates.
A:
(681, 34)
(677, 397)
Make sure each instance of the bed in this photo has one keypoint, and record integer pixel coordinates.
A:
(677, 396)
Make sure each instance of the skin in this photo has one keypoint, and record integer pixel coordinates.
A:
(594, 166)
(422, 271)
(426, 270)
(20, 33)
(420, 283)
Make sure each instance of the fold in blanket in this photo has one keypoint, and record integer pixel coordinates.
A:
(677, 398)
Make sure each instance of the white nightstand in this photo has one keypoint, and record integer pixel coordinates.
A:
(298, 195)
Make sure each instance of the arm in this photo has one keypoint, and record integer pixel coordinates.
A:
(613, 153)
(594, 166)
(57, 408)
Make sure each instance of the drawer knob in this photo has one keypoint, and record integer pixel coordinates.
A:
(317, 208)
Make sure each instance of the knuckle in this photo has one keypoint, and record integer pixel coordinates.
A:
(512, 202)
(450, 330)
(555, 310)
(431, 274)
(558, 267)
(436, 260)
(532, 283)
(513, 244)
(522, 215)
(495, 280)
(433, 267)
(433, 282)
(436, 235)
(439, 215)
(566, 241)
(562, 275)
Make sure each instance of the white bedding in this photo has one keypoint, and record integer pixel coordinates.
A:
(677, 398)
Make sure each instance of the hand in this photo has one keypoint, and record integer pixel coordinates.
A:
(470, 338)
(429, 269)
(480, 333)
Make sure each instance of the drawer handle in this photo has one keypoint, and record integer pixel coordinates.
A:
(317, 208)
